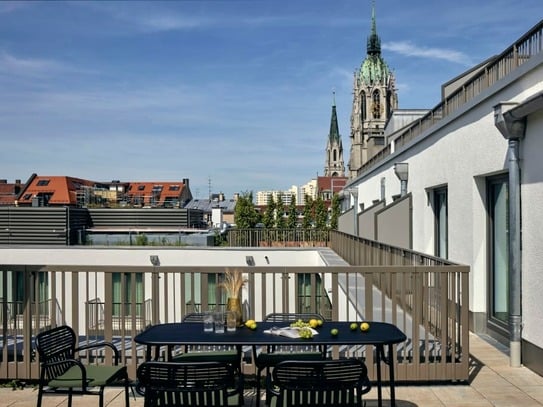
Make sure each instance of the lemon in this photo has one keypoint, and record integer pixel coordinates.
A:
(364, 326)
(313, 323)
(320, 322)
(334, 332)
(253, 326)
(353, 326)
(249, 322)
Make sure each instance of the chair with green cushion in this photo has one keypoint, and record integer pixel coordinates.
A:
(62, 372)
(190, 384)
(227, 354)
(319, 383)
(276, 354)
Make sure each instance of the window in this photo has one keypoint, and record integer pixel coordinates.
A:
(43, 182)
(362, 107)
(175, 187)
(376, 105)
(441, 223)
(306, 295)
(498, 210)
(122, 293)
(141, 187)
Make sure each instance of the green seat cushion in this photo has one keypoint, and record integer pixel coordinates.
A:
(271, 359)
(96, 376)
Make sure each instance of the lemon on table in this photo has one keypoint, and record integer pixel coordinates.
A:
(249, 322)
(313, 323)
(253, 326)
(364, 326)
(334, 331)
(320, 322)
(353, 326)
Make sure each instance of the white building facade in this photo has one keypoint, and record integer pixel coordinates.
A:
(464, 174)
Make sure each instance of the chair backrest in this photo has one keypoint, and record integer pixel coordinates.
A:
(186, 384)
(320, 383)
(56, 345)
(291, 316)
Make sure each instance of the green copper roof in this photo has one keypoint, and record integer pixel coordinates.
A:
(374, 68)
(334, 128)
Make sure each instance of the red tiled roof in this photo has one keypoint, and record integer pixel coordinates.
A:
(61, 190)
(161, 190)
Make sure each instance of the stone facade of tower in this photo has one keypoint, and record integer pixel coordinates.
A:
(334, 165)
(374, 99)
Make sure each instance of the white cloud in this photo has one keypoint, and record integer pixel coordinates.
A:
(14, 65)
(409, 49)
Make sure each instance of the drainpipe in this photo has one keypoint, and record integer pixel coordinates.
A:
(513, 129)
(402, 172)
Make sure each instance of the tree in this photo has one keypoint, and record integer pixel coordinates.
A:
(269, 214)
(335, 210)
(308, 213)
(321, 214)
(280, 213)
(245, 214)
(292, 218)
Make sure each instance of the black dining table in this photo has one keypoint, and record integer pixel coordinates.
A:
(379, 335)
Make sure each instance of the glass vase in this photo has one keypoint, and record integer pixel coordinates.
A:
(234, 305)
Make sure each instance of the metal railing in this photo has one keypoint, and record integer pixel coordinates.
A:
(425, 297)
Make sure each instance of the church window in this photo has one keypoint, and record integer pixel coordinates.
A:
(362, 106)
(376, 105)
(335, 155)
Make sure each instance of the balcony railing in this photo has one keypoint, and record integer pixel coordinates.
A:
(424, 297)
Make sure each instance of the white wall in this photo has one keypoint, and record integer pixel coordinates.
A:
(461, 152)
(532, 229)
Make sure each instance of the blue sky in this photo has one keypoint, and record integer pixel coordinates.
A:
(236, 94)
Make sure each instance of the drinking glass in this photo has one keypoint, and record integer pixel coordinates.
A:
(219, 322)
(231, 321)
(208, 321)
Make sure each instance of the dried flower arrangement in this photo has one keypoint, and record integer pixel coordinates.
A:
(233, 282)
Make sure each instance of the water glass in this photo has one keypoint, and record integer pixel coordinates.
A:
(231, 321)
(208, 321)
(219, 322)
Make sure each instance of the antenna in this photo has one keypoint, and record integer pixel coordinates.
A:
(209, 187)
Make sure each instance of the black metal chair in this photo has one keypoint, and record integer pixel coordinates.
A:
(227, 354)
(275, 354)
(190, 384)
(319, 383)
(62, 372)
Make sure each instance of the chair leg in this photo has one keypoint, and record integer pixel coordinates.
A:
(70, 397)
(40, 395)
(258, 379)
(126, 390)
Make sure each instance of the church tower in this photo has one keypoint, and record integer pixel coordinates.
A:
(334, 165)
(374, 99)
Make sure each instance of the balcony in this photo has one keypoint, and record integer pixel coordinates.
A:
(351, 280)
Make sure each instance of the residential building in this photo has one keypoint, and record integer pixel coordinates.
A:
(465, 182)
(44, 190)
(9, 192)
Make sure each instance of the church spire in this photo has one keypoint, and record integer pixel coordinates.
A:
(334, 128)
(334, 165)
(374, 42)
